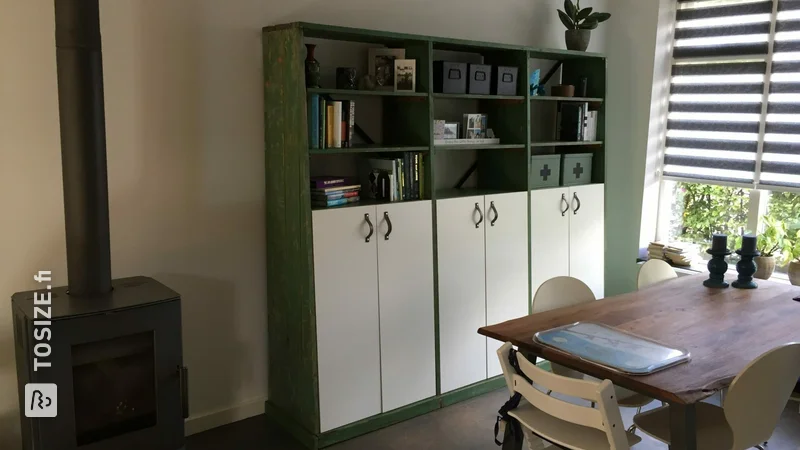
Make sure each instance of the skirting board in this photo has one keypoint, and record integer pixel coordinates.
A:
(198, 424)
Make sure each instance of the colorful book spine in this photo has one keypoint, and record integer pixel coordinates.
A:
(326, 182)
(402, 186)
(329, 127)
(351, 122)
(421, 176)
(336, 189)
(416, 176)
(409, 178)
(323, 112)
(341, 201)
(349, 194)
(313, 117)
(337, 125)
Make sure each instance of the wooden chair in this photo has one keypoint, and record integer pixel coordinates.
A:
(565, 424)
(655, 271)
(560, 292)
(752, 408)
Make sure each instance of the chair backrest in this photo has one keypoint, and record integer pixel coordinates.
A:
(606, 417)
(758, 395)
(655, 271)
(560, 292)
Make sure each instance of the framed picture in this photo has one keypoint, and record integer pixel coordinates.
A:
(405, 75)
(381, 66)
(451, 130)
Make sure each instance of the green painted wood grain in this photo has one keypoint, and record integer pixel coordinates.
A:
(291, 316)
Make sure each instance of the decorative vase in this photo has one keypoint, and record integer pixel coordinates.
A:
(577, 39)
(794, 273)
(312, 67)
(765, 265)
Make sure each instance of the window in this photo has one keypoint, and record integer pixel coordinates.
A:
(732, 148)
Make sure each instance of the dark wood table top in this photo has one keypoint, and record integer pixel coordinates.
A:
(724, 329)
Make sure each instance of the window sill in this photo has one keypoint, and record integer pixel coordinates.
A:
(701, 268)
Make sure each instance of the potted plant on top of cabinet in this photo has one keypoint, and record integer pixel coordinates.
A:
(579, 23)
(791, 250)
(770, 241)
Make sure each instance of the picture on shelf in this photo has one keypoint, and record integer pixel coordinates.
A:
(450, 130)
(405, 75)
(474, 126)
(381, 65)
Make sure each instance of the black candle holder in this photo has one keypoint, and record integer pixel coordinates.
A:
(717, 266)
(746, 268)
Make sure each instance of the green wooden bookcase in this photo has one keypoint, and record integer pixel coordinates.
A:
(293, 400)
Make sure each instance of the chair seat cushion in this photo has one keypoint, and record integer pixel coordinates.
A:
(561, 432)
(713, 431)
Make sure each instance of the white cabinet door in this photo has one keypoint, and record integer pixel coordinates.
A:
(462, 291)
(587, 236)
(506, 265)
(346, 289)
(405, 296)
(550, 216)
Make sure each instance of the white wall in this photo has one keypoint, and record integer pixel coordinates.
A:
(184, 124)
(631, 49)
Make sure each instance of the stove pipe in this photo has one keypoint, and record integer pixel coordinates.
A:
(83, 146)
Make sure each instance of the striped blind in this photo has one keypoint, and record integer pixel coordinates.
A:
(734, 106)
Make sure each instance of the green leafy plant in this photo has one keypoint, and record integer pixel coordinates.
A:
(791, 247)
(772, 239)
(575, 18)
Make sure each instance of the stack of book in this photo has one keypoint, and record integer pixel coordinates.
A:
(576, 122)
(330, 123)
(677, 254)
(333, 191)
(396, 179)
(656, 250)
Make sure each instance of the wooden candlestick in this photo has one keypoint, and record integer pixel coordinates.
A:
(717, 268)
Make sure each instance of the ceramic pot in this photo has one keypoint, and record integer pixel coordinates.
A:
(766, 265)
(794, 273)
(312, 67)
(577, 39)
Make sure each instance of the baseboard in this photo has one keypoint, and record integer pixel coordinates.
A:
(198, 424)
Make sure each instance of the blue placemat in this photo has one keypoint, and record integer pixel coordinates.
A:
(612, 348)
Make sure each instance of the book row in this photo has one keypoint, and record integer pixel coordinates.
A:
(331, 122)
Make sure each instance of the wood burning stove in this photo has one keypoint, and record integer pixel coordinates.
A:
(113, 346)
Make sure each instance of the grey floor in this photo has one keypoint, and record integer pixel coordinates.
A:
(465, 426)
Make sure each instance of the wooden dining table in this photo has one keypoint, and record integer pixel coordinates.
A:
(723, 329)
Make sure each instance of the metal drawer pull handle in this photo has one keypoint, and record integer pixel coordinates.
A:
(496, 215)
(371, 228)
(478, 223)
(566, 204)
(389, 223)
(575, 198)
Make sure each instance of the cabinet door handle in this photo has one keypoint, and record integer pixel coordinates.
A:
(480, 215)
(496, 215)
(565, 203)
(576, 199)
(371, 228)
(388, 223)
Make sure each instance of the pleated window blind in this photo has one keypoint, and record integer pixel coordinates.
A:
(734, 106)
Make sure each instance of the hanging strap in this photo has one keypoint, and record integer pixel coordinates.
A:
(512, 434)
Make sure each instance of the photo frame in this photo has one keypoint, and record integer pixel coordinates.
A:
(381, 66)
(405, 75)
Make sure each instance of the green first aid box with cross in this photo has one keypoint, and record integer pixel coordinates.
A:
(576, 169)
(545, 171)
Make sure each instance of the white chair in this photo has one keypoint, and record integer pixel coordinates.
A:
(560, 292)
(655, 271)
(752, 408)
(565, 424)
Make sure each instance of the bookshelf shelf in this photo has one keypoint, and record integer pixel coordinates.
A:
(367, 149)
(479, 97)
(566, 143)
(359, 93)
(544, 98)
(445, 194)
(363, 202)
(439, 148)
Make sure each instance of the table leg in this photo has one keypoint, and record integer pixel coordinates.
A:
(682, 427)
